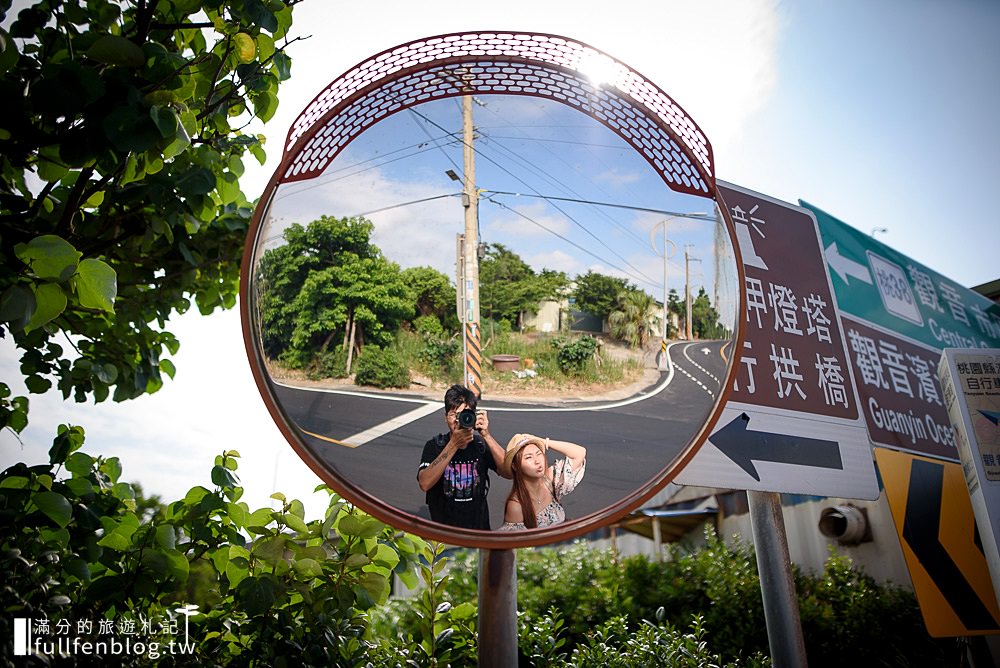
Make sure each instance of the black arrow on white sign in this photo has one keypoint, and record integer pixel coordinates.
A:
(744, 447)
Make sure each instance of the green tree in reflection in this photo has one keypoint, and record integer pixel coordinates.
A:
(328, 285)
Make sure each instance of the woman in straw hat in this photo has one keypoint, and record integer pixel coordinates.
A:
(537, 487)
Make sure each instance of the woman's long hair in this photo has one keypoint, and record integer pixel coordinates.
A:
(519, 491)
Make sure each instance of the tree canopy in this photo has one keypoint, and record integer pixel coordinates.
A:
(598, 294)
(508, 286)
(325, 277)
(433, 294)
(119, 178)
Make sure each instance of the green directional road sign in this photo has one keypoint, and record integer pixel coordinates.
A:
(897, 316)
(884, 287)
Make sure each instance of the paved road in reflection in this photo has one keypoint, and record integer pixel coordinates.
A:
(374, 440)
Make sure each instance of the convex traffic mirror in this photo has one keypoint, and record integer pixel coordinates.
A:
(517, 215)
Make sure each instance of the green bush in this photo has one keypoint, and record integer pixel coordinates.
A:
(442, 356)
(381, 367)
(272, 588)
(428, 325)
(847, 618)
(574, 354)
(328, 364)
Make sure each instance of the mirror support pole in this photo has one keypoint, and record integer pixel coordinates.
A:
(497, 609)
(781, 607)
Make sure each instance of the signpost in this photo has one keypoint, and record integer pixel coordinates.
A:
(792, 423)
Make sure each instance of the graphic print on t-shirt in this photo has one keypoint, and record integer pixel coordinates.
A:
(460, 481)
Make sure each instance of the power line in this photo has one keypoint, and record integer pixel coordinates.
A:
(641, 278)
(556, 207)
(327, 181)
(609, 204)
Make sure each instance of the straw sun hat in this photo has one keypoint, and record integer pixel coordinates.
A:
(517, 442)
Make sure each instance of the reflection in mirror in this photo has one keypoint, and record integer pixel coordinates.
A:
(586, 259)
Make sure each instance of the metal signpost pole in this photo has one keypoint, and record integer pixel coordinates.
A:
(781, 608)
(497, 608)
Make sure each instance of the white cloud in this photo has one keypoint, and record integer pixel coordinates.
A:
(616, 178)
(557, 261)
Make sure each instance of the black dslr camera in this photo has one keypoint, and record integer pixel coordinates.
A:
(467, 418)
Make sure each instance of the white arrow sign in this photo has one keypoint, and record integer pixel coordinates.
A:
(844, 266)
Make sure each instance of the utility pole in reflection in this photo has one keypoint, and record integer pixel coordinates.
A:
(687, 290)
(470, 288)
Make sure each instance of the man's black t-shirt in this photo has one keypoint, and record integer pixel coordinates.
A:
(459, 497)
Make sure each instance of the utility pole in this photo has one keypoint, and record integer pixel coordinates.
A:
(470, 200)
(687, 290)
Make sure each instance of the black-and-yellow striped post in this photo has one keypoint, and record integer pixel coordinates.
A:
(473, 359)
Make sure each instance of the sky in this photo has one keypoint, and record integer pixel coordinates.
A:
(883, 114)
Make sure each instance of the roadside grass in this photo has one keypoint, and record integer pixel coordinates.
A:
(437, 360)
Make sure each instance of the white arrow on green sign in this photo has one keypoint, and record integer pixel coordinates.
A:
(886, 288)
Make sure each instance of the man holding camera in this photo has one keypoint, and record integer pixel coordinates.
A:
(454, 467)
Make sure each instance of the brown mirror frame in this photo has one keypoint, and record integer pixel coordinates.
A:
(513, 63)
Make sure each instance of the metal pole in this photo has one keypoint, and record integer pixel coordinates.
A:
(777, 588)
(687, 294)
(497, 609)
(665, 314)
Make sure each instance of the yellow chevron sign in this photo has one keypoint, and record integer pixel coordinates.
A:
(932, 510)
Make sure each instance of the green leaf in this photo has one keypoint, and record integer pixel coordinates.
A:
(371, 528)
(265, 104)
(8, 52)
(236, 570)
(256, 595)
(50, 302)
(222, 477)
(37, 384)
(309, 568)
(106, 373)
(17, 305)
(195, 495)
(112, 467)
(66, 442)
(282, 65)
(78, 568)
(50, 257)
(164, 119)
(166, 536)
(349, 525)
(295, 523)
(97, 285)
(79, 463)
(238, 513)
(196, 181)
(261, 15)
(246, 49)
(386, 556)
(376, 585)
(271, 550)
(54, 506)
(259, 518)
(177, 564)
(116, 541)
(116, 50)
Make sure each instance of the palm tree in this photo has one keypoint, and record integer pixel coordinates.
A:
(631, 319)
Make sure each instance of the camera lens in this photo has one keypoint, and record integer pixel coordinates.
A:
(467, 419)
